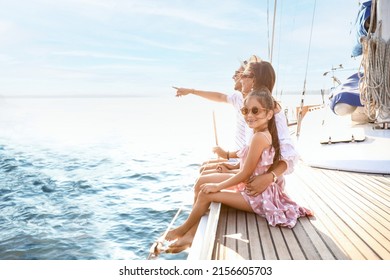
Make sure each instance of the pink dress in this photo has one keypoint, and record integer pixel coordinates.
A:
(273, 204)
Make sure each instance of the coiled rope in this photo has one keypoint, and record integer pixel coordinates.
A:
(375, 83)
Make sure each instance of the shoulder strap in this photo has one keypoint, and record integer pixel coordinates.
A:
(267, 137)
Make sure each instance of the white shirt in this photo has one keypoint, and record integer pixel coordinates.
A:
(287, 149)
(243, 132)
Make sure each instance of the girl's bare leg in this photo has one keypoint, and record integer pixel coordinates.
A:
(183, 242)
(210, 178)
(232, 199)
(199, 209)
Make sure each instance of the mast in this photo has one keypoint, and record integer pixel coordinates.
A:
(273, 33)
(384, 18)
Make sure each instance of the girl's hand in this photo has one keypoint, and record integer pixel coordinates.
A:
(210, 188)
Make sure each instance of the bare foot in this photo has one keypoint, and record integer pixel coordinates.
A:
(174, 234)
(186, 240)
(175, 250)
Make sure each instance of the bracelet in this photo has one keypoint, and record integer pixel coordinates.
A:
(227, 155)
(275, 177)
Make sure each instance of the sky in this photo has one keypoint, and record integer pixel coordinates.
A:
(142, 48)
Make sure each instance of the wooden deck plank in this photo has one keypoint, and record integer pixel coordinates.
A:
(362, 227)
(325, 226)
(367, 190)
(312, 227)
(377, 191)
(377, 184)
(351, 220)
(281, 247)
(267, 244)
(378, 195)
(371, 209)
(368, 211)
(293, 244)
(383, 180)
(362, 215)
(374, 181)
(337, 231)
(242, 238)
(306, 244)
(335, 217)
(317, 241)
(256, 252)
(348, 218)
(231, 235)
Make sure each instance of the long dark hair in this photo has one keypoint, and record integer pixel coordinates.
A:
(264, 75)
(264, 97)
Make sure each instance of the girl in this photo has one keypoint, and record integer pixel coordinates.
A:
(255, 76)
(262, 154)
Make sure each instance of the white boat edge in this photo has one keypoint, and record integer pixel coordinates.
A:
(372, 155)
(203, 243)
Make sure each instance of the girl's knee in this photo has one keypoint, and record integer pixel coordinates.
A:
(204, 197)
(197, 188)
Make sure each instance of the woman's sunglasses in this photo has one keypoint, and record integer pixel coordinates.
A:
(255, 111)
(247, 76)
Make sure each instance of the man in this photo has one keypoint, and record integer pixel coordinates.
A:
(243, 132)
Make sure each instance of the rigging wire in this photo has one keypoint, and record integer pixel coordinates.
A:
(273, 33)
(268, 28)
(307, 66)
(279, 44)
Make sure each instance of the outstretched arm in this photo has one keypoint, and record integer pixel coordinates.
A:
(210, 95)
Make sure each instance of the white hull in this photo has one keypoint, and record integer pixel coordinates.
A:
(370, 156)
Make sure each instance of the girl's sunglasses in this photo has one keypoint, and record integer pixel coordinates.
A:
(255, 111)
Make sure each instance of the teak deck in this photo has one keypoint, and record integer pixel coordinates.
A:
(351, 221)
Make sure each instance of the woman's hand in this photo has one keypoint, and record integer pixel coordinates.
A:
(225, 167)
(220, 152)
(256, 185)
(210, 188)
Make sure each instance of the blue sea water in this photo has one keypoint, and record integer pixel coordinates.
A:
(96, 178)
(100, 178)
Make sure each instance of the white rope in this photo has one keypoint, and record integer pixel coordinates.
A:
(375, 84)
(157, 246)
